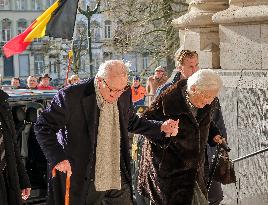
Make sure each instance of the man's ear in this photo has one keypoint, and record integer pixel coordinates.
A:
(193, 88)
(179, 68)
(98, 80)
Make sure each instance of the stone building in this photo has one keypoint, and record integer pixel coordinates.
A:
(47, 56)
(231, 36)
(103, 28)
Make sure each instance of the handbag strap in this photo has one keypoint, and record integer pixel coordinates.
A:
(237, 183)
(215, 163)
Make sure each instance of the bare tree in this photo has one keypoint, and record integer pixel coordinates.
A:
(79, 47)
(88, 13)
(145, 26)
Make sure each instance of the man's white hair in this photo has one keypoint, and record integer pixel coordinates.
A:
(112, 68)
(205, 80)
(29, 77)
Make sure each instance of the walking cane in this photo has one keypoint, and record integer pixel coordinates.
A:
(67, 190)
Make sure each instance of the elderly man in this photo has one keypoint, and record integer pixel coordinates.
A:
(155, 81)
(187, 64)
(84, 133)
(44, 83)
(172, 170)
(32, 82)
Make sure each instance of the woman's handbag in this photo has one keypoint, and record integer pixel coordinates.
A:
(224, 170)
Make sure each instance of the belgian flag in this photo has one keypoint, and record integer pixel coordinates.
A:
(57, 21)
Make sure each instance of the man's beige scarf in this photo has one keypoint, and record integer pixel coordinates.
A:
(107, 168)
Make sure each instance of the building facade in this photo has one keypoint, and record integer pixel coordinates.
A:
(103, 28)
(15, 16)
(48, 55)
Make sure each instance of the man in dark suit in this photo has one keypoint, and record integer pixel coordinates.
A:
(14, 182)
(84, 133)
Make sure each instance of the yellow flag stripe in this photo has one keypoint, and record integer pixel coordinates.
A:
(39, 28)
(70, 53)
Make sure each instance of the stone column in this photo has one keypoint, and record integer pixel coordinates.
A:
(243, 27)
(243, 31)
(198, 31)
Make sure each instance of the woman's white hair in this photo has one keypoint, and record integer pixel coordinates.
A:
(205, 80)
(112, 68)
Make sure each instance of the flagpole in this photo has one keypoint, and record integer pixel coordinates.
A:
(70, 54)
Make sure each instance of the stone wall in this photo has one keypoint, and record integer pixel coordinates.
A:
(242, 31)
(244, 102)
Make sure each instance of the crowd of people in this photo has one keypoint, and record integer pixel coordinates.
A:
(84, 134)
(41, 83)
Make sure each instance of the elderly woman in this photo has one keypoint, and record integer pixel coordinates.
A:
(172, 169)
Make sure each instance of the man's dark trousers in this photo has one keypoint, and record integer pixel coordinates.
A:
(111, 197)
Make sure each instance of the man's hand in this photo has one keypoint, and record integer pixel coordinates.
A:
(170, 127)
(64, 167)
(25, 193)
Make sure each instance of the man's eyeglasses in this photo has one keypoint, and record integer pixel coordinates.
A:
(116, 91)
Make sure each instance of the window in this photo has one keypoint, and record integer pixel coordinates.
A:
(21, 4)
(4, 4)
(107, 29)
(37, 40)
(36, 5)
(107, 55)
(8, 67)
(145, 61)
(83, 4)
(50, 67)
(38, 64)
(81, 28)
(83, 65)
(24, 65)
(50, 2)
(95, 31)
(55, 67)
(6, 30)
(22, 25)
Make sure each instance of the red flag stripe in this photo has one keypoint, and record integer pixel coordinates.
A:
(17, 44)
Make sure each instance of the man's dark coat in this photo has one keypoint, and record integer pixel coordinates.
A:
(169, 167)
(15, 172)
(75, 113)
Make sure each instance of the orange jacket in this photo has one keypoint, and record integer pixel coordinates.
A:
(138, 93)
